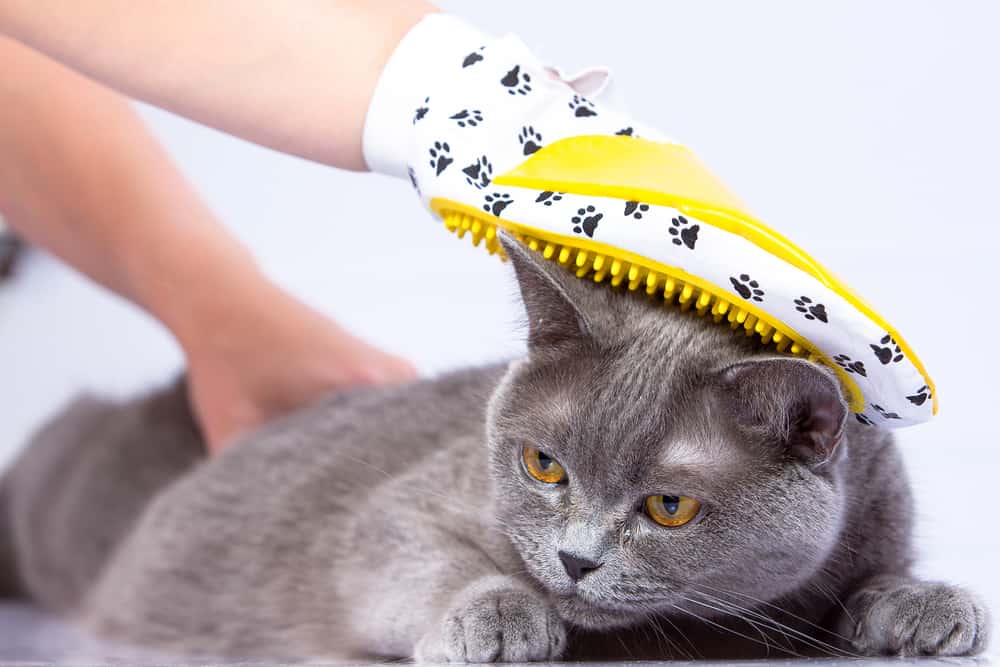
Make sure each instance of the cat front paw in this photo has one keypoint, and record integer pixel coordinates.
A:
(495, 619)
(920, 619)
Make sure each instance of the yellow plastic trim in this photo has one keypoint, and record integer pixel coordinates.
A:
(586, 256)
(671, 175)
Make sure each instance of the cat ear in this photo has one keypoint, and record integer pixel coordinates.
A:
(794, 401)
(548, 292)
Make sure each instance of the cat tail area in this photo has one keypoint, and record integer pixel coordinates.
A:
(9, 582)
(80, 484)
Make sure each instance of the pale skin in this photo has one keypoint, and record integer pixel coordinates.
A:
(82, 177)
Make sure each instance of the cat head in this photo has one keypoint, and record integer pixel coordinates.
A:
(642, 457)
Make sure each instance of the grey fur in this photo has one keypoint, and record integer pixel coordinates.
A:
(399, 521)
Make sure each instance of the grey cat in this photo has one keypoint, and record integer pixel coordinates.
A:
(644, 484)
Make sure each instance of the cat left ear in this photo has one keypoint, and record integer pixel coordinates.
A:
(793, 401)
(547, 290)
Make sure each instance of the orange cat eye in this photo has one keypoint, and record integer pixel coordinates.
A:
(672, 511)
(542, 467)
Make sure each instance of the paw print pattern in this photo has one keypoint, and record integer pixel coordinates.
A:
(885, 414)
(421, 111)
(517, 82)
(863, 419)
(582, 107)
(479, 173)
(920, 396)
(810, 310)
(625, 132)
(585, 221)
(549, 197)
(440, 156)
(413, 180)
(747, 288)
(530, 140)
(887, 351)
(473, 58)
(496, 202)
(468, 117)
(684, 232)
(850, 365)
(635, 209)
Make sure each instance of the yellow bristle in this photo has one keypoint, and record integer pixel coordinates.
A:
(550, 249)
(477, 232)
(703, 302)
(669, 285)
(795, 349)
(532, 243)
(651, 281)
(564, 255)
(619, 278)
(581, 257)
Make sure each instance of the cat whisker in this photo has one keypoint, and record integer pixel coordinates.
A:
(728, 629)
(776, 608)
(742, 617)
(774, 624)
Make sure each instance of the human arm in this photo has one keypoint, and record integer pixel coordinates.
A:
(82, 177)
(295, 76)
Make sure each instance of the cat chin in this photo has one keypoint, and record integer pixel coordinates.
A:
(584, 614)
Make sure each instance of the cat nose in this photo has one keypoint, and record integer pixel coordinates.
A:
(576, 567)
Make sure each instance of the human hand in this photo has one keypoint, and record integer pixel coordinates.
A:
(270, 355)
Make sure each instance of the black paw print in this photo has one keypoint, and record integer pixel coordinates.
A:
(549, 197)
(747, 288)
(884, 413)
(812, 311)
(582, 107)
(863, 418)
(440, 156)
(421, 111)
(497, 202)
(850, 366)
(479, 173)
(585, 221)
(635, 209)
(684, 232)
(530, 140)
(413, 179)
(472, 58)
(625, 132)
(468, 117)
(888, 351)
(920, 396)
(516, 81)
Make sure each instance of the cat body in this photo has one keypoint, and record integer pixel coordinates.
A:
(402, 522)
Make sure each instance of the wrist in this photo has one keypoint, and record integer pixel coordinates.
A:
(200, 292)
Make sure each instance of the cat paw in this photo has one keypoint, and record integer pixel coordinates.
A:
(920, 619)
(495, 620)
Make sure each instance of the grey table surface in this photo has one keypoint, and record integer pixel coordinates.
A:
(29, 636)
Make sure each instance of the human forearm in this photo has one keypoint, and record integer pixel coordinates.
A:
(81, 176)
(296, 77)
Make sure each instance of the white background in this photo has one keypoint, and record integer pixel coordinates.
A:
(866, 132)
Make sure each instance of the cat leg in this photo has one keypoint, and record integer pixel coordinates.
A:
(898, 615)
(442, 591)
(494, 619)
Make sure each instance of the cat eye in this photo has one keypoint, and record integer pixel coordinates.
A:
(672, 511)
(542, 467)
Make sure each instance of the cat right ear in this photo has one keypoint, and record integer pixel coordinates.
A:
(546, 289)
(794, 402)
